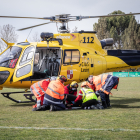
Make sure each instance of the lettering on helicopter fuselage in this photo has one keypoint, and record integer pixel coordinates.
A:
(63, 37)
(88, 39)
(84, 64)
(84, 70)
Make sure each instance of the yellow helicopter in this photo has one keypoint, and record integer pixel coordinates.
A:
(75, 55)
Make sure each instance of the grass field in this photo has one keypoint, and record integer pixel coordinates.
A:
(122, 121)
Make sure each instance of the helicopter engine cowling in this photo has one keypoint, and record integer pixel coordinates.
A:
(46, 35)
(107, 42)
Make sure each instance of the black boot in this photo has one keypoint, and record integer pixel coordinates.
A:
(44, 108)
(104, 104)
(52, 108)
(108, 105)
(36, 109)
(55, 108)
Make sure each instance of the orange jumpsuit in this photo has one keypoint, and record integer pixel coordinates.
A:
(54, 95)
(39, 89)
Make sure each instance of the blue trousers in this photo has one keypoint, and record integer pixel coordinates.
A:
(48, 100)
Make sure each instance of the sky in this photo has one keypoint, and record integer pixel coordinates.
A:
(47, 8)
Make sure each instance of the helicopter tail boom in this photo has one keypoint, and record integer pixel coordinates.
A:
(122, 59)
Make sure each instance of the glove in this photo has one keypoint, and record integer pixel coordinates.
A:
(73, 102)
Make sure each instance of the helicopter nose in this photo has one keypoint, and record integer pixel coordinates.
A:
(3, 76)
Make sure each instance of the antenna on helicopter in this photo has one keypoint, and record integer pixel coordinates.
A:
(29, 33)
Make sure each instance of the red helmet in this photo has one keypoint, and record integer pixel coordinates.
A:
(62, 78)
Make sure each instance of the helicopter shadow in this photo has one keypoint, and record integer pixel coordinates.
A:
(125, 102)
(19, 105)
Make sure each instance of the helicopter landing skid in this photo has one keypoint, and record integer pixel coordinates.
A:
(27, 96)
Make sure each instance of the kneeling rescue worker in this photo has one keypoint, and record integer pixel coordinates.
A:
(54, 96)
(103, 85)
(89, 98)
(39, 89)
(71, 91)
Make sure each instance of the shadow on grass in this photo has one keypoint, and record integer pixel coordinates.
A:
(124, 106)
(21, 104)
(124, 102)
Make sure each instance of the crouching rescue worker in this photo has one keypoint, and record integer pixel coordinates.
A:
(88, 97)
(90, 82)
(54, 96)
(71, 92)
(103, 86)
(39, 89)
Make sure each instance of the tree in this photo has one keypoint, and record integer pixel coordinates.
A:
(113, 26)
(102, 32)
(7, 32)
(138, 39)
(35, 37)
(101, 28)
(131, 36)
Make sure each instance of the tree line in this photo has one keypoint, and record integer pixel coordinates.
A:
(8, 33)
(125, 31)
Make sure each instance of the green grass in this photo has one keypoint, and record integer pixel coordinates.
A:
(124, 114)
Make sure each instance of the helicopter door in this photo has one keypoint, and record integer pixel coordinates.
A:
(85, 66)
(70, 67)
(24, 66)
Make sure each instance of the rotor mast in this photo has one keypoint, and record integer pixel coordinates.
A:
(63, 19)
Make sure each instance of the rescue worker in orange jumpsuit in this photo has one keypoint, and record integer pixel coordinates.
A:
(71, 92)
(103, 85)
(38, 89)
(54, 96)
(90, 82)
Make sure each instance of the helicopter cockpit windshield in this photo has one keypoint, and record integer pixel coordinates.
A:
(10, 57)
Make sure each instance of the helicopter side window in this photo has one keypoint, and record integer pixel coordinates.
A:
(75, 56)
(67, 57)
(10, 57)
(23, 71)
(71, 56)
(27, 56)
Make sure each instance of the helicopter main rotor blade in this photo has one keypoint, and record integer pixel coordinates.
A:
(49, 18)
(113, 15)
(33, 26)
